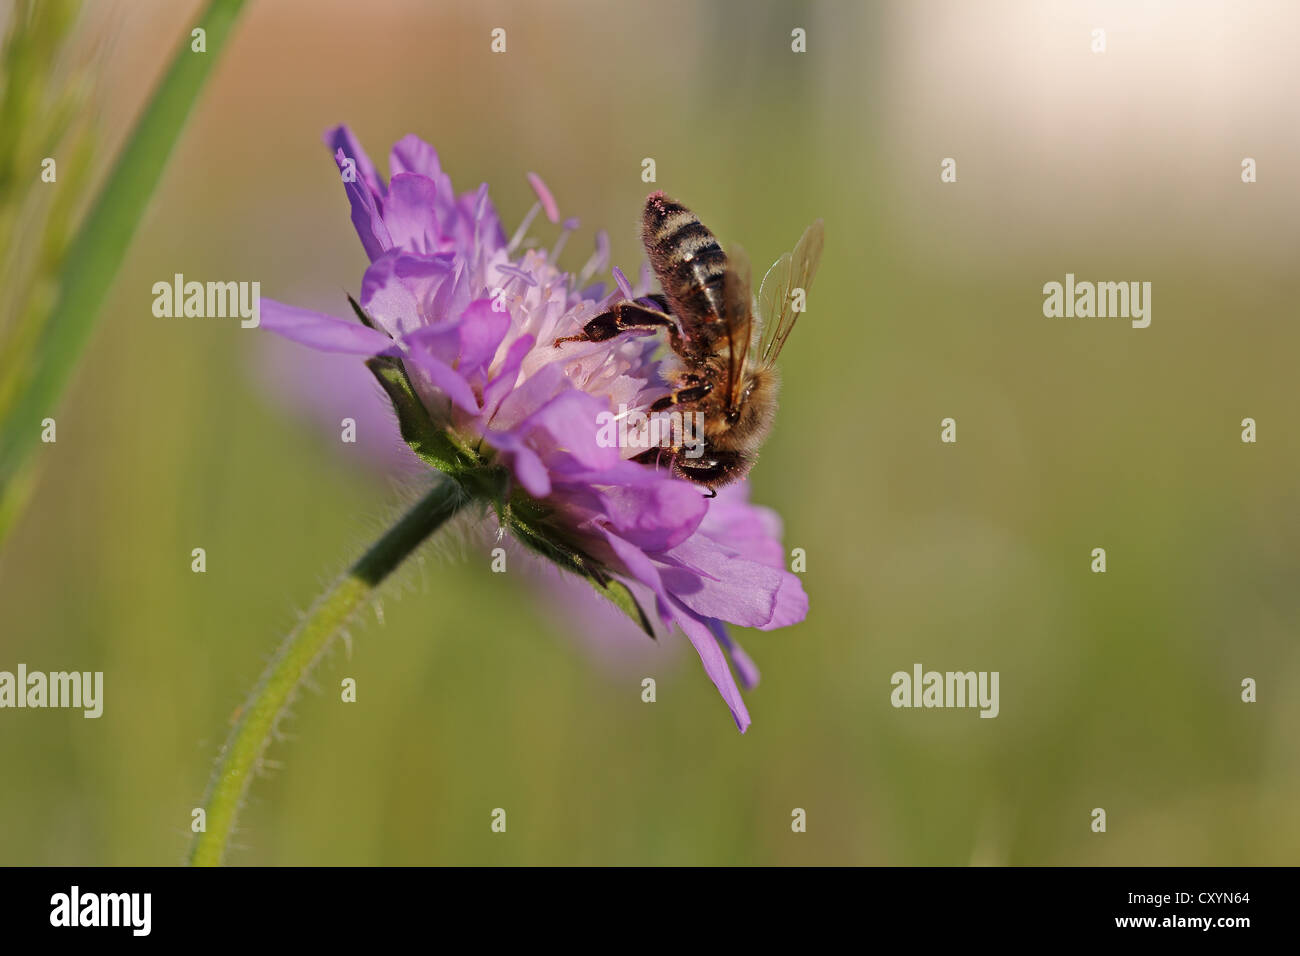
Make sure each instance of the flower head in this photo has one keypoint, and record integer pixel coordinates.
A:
(457, 321)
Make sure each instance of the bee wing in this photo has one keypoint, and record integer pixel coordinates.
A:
(773, 292)
(794, 270)
(738, 313)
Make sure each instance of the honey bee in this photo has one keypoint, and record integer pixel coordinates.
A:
(727, 356)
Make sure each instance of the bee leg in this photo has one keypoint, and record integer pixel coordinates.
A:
(652, 456)
(655, 456)
(625, 317)
(683, 397)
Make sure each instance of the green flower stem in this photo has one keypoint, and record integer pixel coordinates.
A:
(256, 720)
(101, 243)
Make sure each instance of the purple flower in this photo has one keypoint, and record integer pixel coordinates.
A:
(458, 321)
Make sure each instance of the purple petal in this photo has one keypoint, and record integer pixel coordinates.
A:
(532, 473)
(715, 663)
(453, 295)
(524, 463)
(444, 377)
(340, 137)
(484, 225)
(659, 516)
(563, 434)
(410, 154)
(365, 193)
(469, 342)
(401, 291)
(715, 583)
(322, 332)
(409, 215)
(638, 563)
(642, 570)
(791, 605)
(430, 279)
(743, 664)
(481, 330)
(504, 380)
(389, 299)
(532, 393)
(745, 528)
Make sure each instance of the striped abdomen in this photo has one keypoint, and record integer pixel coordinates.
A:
(688, 261)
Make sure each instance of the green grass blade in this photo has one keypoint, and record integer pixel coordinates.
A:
(97, 251)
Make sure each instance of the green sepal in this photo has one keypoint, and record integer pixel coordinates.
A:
(426, 439)
(361, 314)
(626, 601)
(523, 516)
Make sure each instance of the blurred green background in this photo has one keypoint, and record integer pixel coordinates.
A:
(1119, 690)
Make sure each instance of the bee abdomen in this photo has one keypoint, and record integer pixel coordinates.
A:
(685, 256)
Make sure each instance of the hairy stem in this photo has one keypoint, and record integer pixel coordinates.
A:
(256, 720)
